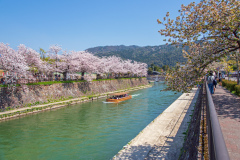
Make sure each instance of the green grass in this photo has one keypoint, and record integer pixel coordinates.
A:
(55, 82)
(102, 79)
(6, 85)
(69, 81)
(118, 78)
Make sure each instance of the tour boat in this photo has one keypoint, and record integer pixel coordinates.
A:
(118, 97)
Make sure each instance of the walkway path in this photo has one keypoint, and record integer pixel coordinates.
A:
(228, 110)
(163, 138)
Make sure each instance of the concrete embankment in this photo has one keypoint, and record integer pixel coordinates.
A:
(39, 108)
(28, 95)
(163, 138)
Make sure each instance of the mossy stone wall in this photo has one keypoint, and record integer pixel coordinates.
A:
(22, 95)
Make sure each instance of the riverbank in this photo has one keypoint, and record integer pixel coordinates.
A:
(164, 137)
(38, 94)
(39, 108)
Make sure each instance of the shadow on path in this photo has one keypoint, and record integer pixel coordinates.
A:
(228, 109)
(227, 105)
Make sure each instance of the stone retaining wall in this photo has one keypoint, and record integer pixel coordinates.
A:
(22, 95)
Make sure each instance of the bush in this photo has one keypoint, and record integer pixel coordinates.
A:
(237, 89)
(224, 82)
(230, 85)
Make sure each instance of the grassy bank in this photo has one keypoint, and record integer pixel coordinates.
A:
(36, 107)
(68, 81)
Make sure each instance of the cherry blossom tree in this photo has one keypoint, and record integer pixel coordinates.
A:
(143, 67)
(128, 67)
(32, 59)
(12, 61)
(66, 64)
(101, 66)
(70, 63)
(86, 62)
(210, 29)
(140, 69)
(114, 65)
(54, 54)
(26, 62)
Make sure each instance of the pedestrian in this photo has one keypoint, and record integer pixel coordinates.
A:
(214, 74)
(220, 77)
(210, 82)
(223, 76)
(215, 84)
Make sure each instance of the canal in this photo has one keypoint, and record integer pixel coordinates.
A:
(94, 130)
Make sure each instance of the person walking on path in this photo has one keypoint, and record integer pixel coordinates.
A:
(210, 80)
(228, 110)
(215, 84)
(220, 78)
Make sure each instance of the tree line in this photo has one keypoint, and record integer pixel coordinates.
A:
(26, 63)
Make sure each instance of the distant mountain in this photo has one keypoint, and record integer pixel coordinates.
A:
(159, 55)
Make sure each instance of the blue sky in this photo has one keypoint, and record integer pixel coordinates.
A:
(81, 24)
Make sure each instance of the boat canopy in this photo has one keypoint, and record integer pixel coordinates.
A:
(119, 94)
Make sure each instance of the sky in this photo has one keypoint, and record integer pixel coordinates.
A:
(82, 24)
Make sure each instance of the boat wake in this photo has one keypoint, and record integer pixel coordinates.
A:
(107, 102)
(135, 95)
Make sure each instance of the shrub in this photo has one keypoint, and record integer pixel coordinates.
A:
(237, 89)
(230, 85)
(224, 82)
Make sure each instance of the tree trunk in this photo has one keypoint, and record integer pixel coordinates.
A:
(99, 76)
(237, 67)
(82, 78)
(64, 76)
(228, 70)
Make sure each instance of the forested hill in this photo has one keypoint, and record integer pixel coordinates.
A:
(158, 55)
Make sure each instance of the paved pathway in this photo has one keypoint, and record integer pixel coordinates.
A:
(228, 110)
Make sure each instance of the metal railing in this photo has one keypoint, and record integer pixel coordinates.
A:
(216, 144)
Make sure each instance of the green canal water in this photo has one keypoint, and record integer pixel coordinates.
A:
(94, 130)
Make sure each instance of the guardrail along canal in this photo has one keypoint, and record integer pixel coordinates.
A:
(92, 130)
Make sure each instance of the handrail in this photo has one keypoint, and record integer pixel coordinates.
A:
(217, 147)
